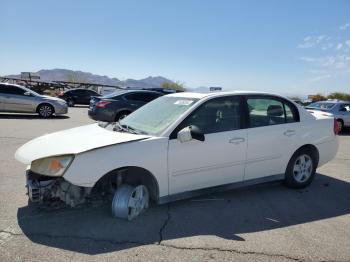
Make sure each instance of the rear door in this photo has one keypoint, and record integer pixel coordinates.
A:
(84, 96)
(273, 125)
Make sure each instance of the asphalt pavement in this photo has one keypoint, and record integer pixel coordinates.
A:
(261, 223)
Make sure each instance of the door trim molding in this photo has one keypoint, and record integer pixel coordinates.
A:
(225, 187)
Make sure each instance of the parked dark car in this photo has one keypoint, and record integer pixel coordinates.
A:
(117, 105)
(78, 96)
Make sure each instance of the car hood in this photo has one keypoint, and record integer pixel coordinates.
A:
(72, 141)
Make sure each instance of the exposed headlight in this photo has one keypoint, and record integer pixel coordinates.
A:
(52, 166)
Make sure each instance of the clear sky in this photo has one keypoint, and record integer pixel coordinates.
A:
(289, 47)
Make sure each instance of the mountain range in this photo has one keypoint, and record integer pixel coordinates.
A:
(79, 76)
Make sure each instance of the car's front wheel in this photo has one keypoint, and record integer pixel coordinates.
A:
(301, 169)
(130, 201)
(70, 102)
(45, 110)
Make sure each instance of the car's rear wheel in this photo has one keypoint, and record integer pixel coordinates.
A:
(340, 125)
(70, 102)
(45, 110)
(121, 115)
(300, 170)
(130, 201)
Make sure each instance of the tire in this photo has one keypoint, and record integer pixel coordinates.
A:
(301, 169)
(45, 110)
(340, 123)
(121, 115)
(70, 102)
(130, 201)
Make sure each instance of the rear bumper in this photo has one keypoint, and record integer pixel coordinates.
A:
(101, 114)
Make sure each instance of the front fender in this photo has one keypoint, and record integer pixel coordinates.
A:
(151, 154)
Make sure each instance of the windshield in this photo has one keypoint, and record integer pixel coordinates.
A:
(319, 105)
(156, 116)
(29, 90)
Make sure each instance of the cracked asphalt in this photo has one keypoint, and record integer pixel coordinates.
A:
(262, 223)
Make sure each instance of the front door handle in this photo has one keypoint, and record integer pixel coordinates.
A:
(289, 133)
(237, 140)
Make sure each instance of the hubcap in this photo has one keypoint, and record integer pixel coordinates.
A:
(138, 201)
(340, 125)
(45, 111)
(128, 201)
(302, 168)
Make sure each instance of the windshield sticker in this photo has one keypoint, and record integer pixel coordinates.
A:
(183, 102)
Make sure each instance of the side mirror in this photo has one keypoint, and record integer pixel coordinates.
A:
(27, 93)
(189, 133)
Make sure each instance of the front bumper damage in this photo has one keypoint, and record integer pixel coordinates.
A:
(46, 190)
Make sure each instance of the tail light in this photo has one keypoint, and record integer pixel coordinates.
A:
(60, 93)
(102, 103)
(336, 127)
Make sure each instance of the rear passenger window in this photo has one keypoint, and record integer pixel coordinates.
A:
(290, 117)
(143, 97)
(269, 111)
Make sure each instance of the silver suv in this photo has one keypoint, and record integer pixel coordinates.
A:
(340, 110)
(19, 99)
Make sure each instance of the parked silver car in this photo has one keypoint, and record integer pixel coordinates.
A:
(19, 99)
(340, 110)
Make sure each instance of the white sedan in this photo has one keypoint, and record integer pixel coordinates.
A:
(179, 146)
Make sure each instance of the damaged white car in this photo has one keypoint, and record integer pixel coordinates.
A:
(178, 146)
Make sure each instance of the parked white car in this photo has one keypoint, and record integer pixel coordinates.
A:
(178, 146)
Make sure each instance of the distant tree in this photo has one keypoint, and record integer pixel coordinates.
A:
(295, 98)
(318, 97)
(75, 78)
(339, 95)
(173, 85)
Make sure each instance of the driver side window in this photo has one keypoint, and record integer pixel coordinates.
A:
(217, 115)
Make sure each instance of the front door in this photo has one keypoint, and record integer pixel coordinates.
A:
(14, 99)
(218, 160)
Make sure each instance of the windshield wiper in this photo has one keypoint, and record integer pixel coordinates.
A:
(129, 129)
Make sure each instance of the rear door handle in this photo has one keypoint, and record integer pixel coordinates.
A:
(289, 133)
(237, 140)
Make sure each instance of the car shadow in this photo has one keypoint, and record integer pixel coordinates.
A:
(345, 132)
(225, 215)
(31, 116)
(80, 106)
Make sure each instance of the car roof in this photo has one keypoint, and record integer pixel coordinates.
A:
(123, 92)
(219, 94)
(332, 102)
(16, 85)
